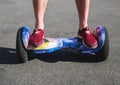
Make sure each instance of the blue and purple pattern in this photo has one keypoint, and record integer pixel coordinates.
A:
(54, 44)
(25, 32)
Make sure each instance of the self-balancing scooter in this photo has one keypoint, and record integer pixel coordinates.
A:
(54, 44)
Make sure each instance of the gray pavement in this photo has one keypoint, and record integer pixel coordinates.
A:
(61, 21)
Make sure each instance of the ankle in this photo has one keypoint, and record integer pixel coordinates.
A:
(82, 26)
(39, 26)
(39, 29)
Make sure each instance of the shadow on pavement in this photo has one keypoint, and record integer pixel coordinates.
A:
(8, 56)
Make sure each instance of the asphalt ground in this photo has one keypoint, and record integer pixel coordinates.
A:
(61, 20)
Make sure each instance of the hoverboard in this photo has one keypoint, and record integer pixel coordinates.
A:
(56, 44)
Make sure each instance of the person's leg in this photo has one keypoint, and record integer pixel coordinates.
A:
(84, 32)
(39, 11)
(83, 11)
(37, 36)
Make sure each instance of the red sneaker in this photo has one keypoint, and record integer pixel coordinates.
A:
(36, 38)
(88, 38)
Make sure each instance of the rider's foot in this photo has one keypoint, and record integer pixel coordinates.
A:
(88, 38)
(36, 38)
